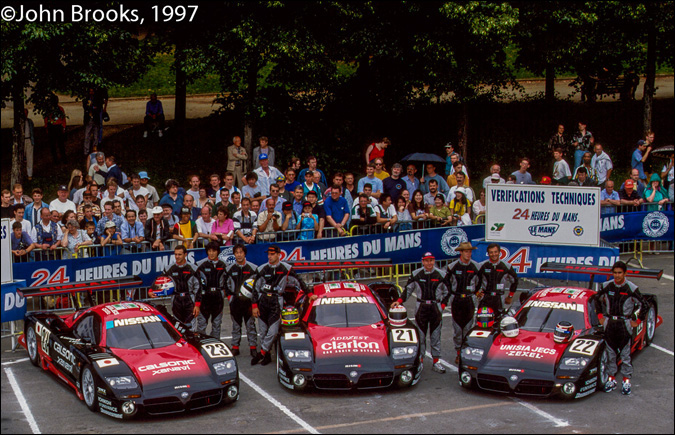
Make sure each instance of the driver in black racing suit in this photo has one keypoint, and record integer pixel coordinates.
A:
(211, 272)
(494, 277)
(622, 304)
(187, 296)
(268, 299)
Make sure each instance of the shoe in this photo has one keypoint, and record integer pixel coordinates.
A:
(256, 359)
(145, 135)
(235, 351)
(266, 359)
(160, 134)
(625, 388)
(610, 385)
(254, 352)
(438, 368)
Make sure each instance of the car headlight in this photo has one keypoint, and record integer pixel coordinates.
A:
(574, 363)
(403, 352)
(472, 353)
(298, 355)
(122, 382)
(225, 367)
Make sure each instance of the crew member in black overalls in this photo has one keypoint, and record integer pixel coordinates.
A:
(622, 305)
(211, 272)
(428, 284)
(462, 280)
(240, 299)
(268, 299)
(187, 296)
(496, 275)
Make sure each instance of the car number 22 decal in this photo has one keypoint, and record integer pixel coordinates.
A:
(405, 335)
(584, 347)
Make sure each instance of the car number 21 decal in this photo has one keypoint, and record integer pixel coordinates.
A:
(584, 347)
(405, 335)
(217, 350)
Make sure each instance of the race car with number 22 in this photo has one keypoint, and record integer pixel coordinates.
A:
(121, 358)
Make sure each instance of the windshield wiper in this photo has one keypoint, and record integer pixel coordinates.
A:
(148, 337)
(545, 320)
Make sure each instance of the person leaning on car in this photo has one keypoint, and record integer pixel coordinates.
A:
(622, 305)
(187, 296)
(428, 284)
(462, 280)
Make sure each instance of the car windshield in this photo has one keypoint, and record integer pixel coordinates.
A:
(538, 319)
(142, 336)
(345, 315)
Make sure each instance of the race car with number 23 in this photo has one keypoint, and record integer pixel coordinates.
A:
(345, 339)
(554, 345)
(124, 357)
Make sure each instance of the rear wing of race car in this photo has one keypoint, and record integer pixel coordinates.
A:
(340, 264)
(86, 287)
(600, 270)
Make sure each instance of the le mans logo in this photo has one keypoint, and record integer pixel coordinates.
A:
(544, 230)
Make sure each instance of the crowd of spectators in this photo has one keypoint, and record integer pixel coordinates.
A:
(103, 206)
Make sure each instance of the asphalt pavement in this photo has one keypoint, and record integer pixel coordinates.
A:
(34, 401)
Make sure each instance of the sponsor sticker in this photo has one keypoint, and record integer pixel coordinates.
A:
(556, 305)
(294, 335)
(350, 344)
(480, 334)
(344, 300)
(133, 321)
(525, 351)
(543, 230)
(168, 366)
(107, 362)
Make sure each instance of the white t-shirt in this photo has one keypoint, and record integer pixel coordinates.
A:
(204, 227)
(388, 213)
(561, 169)
(670, 174)
(132, 199)
(62, 207)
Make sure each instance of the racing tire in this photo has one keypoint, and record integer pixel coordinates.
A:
(603, 376)
(32, 345)
(88, 389)
(650, 325)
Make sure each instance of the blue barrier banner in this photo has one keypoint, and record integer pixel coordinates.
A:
(639, 225)
(13, 305)
(528, 259)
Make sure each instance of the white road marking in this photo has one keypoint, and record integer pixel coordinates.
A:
(22, 401)
(668, 277)
(662, 349)
(276, 403)
(556, 421)
(9, 363)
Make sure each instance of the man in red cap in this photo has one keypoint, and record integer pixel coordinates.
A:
(428, 284)
(629, 195)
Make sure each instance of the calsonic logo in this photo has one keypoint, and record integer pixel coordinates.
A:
(344, 300)
(168, 366)
(556, 305)
(350, 344)
(544, 230)
(58, 348)
(133, 321)
(526, 351)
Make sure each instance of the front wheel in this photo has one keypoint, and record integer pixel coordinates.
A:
(650, 325)
(88, 389)
(603, 376)
(32, 345)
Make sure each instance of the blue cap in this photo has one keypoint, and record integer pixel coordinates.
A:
(143, 174)
(262, 156)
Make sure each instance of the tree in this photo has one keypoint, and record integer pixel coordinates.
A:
(42, 58)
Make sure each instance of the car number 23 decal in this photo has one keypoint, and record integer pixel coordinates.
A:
(584, 347)
(404, 335)
(217, 350)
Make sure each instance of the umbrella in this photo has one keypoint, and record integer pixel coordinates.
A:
(423, 158)
(663, 152)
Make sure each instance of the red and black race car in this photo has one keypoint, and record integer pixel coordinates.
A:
(532, 363)
(123, 357)
(345, 341)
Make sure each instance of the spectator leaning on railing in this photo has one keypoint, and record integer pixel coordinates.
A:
(655, 193)
(609, 198)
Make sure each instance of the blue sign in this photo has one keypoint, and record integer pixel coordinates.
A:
(639, 225)
(13, 305)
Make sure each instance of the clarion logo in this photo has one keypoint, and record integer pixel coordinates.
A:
(136, 321)
(351, 345)
(547, 230)
(344, 300)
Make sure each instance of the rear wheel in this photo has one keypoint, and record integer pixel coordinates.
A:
(650, 325)
(88, 389)
(32, 345)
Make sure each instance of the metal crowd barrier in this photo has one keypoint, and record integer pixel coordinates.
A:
(668, 206)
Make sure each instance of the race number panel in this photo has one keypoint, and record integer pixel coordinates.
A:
(217, 350)
(584, 347)
(404, 335)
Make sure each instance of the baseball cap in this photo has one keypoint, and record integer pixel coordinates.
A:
(306, 204)
(110, 224)
(495, 177)
(629, 184)
(156, 210)
(281, 178)
(274, 248)
(641, 143)
(449, 145)
(143, 174)
(184, 210)
(63, 187)
(428, 255)
(287, 206)
(545, 180)
(397, 165)
(262, 156)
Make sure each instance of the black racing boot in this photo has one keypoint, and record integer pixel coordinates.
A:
(256, 359)
(266, 359)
